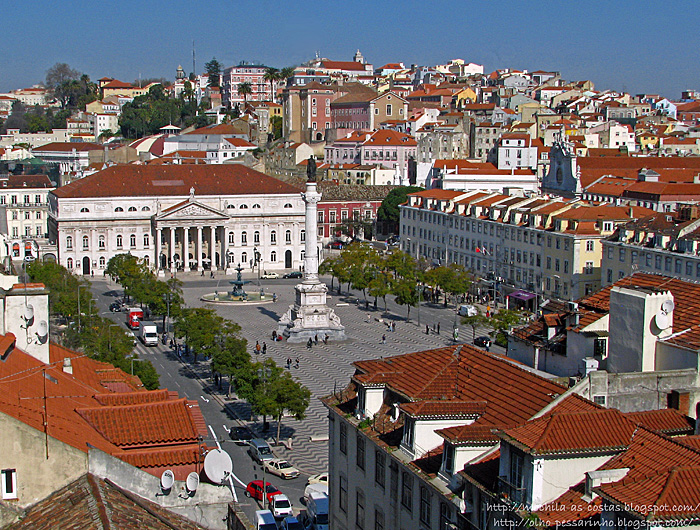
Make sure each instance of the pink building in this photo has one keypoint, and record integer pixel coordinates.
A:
(234, 76)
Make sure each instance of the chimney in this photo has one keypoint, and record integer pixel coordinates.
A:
(67, 365)
(679, 401)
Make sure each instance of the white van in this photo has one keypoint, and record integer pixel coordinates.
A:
(467, 311)
(264, 520)
(317, 510)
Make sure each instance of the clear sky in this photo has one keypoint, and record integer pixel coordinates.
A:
(632, 45)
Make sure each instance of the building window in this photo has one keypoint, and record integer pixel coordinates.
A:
(132, 240)
(69, 242)
(590, 245)
(273, 237)
(449, 458)
(86, 242)
(103, 262)
(38, 215)
(231, 238)
(360, 510)
(343, 438)
(244, 239)
(424, 506)
(15, 216)
(69, 263)
(408, 432)
(600, 346)
(9, 483)
(589, 267)
(101, 242)
(515, 476)
(27, 215)
(244, 257)
(288, 236)
(406, 491)
(273, 256)
(599, 400)
(379, 467)
(303, 236)
(445, 517)
(132, 208)
(360, 457)
(120, 241)
(256, 237)
(378, 519)
(84, 210)
(343, 494)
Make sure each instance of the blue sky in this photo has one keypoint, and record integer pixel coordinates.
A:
(637, 46)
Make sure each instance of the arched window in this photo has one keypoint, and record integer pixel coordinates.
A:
(132, 240)
(273, 237)
(84, 210)
(101, 242)
(303, 254)
(256, 237)
(119, 209)
(69, 242)
(69, 263)
(120, 241)
(86, 242)
(147, 259)
(132, 208)
(230, 206)
(145, 209)
(244, 239)
(103, 262)
(256, 206)
(288, 205)
(303, 236)
(146, 240)
(231, 238)
(244, 258)
(288, 236)
(273, 256)
(243, 206)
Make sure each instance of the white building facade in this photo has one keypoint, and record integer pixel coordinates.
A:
(178, 218)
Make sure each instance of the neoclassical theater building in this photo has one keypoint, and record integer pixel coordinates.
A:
(178, 217)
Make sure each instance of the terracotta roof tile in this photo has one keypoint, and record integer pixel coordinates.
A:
(570, 506)
(666, 421)
(451, 409)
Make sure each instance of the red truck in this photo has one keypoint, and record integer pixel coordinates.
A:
(133, 316)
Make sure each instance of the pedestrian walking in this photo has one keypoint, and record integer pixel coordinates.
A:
(438, 328)
(289, 363)
(297, 363)
(316, 339)
(257, 348)
(274, 335)
(309, 343)
(274, 297)
(202, 273)
(212, 273)
(325, 339)
(383, 339)
(369, 318)
(264, 348)
(427, 330)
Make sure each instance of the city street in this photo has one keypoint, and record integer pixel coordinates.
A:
(323, 368)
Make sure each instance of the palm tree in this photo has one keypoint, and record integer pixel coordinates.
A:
(245, 89)
(271, 75)
(286, 72)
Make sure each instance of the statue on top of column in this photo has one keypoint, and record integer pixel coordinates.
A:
(311, 169)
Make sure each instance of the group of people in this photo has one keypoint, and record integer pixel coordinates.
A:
(313, 341)
(259, 348)
(289, 363)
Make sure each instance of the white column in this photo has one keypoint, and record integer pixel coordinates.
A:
(212, 248)
(159, 233)
(199, 248)
(171, 250)
(186, 247)
(224, 247)
(311, 198)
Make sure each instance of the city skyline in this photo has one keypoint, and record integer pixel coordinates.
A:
(619, 46)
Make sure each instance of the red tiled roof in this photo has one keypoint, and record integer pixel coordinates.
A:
(573, 432)
(67, 147)
(385, 137)
(174, 180)
(239, 142)
(569, 507)
(115, 83)
(437, 193)
(452, 409)
(343, 65)
(692, 441)
(666, 421)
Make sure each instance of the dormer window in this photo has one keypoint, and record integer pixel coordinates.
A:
(449, 458)
(409, 428)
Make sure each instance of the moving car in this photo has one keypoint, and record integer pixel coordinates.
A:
(254, 490)
(281, 468)
(321, 478)
(115, 307)
(240, 435)
(259, 450)
(269, 275)
(293, 274)
(484, 342)
(280, 506)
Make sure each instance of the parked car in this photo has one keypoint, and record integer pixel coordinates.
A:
(483, 342)
(291, 523)
(240, 435)
(269, 275)
(115, 307)
(293, 274)
(254, 490)
(264, 520)
(280, 506)
(321, 478)
(281, 468)
(338, 245)
(259, 450)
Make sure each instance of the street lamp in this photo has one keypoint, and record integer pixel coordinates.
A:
(134, 358)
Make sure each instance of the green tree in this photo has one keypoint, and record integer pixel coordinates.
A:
(245, 90)
(213, 69)
(478, 320)
(327, 266)
(502, 322)
(452, 279)
(201, 329)
(380, 286)
(388, 213)
(129, 272)
(276, 127)
(271, 75)
(230, 357)
(286, 73)
(59, 80)
(406, 293)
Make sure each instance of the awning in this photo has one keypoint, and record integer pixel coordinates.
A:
(522, 295)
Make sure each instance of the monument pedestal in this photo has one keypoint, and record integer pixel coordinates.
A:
(310, 316)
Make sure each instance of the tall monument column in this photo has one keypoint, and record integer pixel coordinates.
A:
(309, 316)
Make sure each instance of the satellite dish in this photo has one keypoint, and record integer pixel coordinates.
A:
(167, 479)
(668, 306)
(661, 320)
(43, 328)
(29, 313)
(218, 465)
(192, 482)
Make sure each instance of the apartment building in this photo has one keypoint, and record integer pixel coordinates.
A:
(549, 247)
(253, 74)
